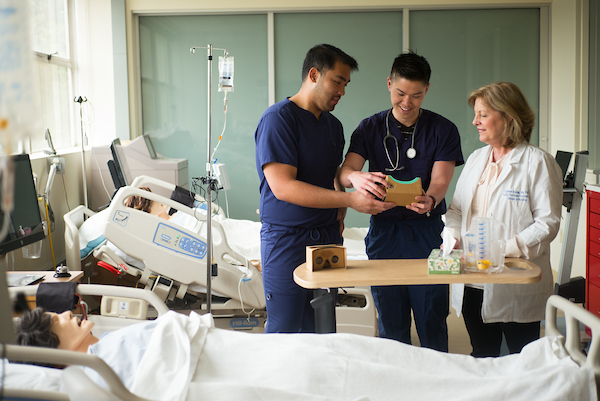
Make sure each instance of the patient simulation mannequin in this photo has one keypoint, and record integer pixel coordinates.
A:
(52, 330)
(147, 205)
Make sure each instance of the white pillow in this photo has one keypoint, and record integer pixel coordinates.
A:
(90, 233)
(31, 377)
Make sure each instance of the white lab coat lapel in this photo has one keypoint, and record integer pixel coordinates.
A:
(514, 158)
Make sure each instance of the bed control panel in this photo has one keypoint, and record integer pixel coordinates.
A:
(178, 241)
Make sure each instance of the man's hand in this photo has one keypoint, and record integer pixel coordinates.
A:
(368, 204)
(369, 183)
(422, 205)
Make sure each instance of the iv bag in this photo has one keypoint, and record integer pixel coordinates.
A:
(225, 74)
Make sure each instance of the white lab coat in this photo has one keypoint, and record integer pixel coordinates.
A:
(527, 198)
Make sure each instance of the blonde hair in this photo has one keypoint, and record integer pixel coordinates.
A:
(507, 99)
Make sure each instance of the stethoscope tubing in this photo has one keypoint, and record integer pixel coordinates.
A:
(411, 153)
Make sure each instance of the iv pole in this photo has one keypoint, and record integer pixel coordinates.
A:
(209, 179)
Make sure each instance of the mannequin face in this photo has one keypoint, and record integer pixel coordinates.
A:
(160, 210)
(70, 330)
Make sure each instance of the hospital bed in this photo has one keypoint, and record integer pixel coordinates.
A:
(233, 365)
(143, 246)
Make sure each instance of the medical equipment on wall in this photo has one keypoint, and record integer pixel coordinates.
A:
(411, 152)
(209, 181)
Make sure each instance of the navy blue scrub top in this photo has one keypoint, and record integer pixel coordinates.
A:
(288, 134)
(436, 139)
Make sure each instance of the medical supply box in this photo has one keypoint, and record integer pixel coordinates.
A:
(439, 264)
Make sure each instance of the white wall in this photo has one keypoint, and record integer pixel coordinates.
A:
(568, 104)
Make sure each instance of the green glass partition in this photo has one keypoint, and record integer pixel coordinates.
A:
(471, 48)
(374, 39)
(174, 95)
(466, 49)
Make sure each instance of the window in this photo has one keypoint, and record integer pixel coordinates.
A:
(50, 26)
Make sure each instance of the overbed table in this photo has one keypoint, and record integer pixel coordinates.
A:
(396, 272)
(74, 275)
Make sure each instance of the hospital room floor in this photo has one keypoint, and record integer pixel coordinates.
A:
(458, 338)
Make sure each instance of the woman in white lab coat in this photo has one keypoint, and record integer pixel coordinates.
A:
(520, 185)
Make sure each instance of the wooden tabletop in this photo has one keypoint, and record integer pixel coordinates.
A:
(409, 271)
(75, 275)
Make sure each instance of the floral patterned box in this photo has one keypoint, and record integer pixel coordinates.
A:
(436, 264)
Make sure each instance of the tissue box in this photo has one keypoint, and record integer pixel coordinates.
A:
(437, 264)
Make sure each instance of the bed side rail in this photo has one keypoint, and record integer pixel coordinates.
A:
(73, 220)
(573, 315)
(101, 290)
(61, 357)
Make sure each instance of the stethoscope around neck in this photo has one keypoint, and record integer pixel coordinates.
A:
(411, 152)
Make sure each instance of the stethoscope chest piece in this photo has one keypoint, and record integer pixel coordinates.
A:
(411, 152)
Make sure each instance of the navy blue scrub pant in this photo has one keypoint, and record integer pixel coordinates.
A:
(411, 239)
(282, 250)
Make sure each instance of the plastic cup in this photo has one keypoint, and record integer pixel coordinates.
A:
(33, 251)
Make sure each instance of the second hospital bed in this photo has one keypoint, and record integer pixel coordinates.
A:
(187, 358)
(151, 248)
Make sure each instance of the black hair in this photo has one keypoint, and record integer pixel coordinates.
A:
(411, 66)
(33, 329)
(323, 58)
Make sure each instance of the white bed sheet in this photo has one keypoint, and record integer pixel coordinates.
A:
(243, 237)
(228, 365)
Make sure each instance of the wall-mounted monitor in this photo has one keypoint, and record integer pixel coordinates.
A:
(25, 225)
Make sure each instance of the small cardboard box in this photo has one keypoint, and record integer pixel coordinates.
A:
(320, 256)
(436, 264)
(403, 193)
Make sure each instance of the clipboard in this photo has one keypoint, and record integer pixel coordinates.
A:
(403, 193)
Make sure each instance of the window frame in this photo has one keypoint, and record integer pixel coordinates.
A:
(69, 139)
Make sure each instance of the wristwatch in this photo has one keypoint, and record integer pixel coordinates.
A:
(434, 202)
(428, 213)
